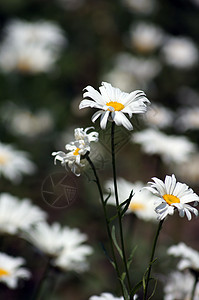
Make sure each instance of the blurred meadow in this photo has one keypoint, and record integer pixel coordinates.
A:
(49, 52)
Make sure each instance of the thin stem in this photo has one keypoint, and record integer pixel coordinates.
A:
(194, 287)
(106, 218)
(152, 258)
(36, 294)
(117, 203)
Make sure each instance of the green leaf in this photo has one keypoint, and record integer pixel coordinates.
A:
(106, 200)
(156, 281)
(126, 204)
(131, 257)
(113, 218)
(126, 294)
(136, 288)
(123, 276)
(115, 242)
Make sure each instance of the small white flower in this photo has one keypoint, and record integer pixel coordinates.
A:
(18, 214)
(142, 204)
(146, 37)
(171, 148)
(113, 101)
(14, 163)
(11, 270)
(173, 195)
(180, 52)
(189, 257)
(105, 296)
(31, 47)
(76, 149)
(64, 245)
(179, 286)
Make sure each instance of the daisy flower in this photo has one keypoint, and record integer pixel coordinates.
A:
(142, 204)
(189, 257)
(173, 195)
(76, 149)
(105, 296)
(64, 245)
(112, 101)
(11, 270)
(14, 163)
(16, 214)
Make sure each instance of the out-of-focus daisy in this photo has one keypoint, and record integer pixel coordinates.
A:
(145, 37)
(64, 245)
(179, 286)
(159, 116)
(105, 296)
(180, 52)
(71, 4)
(171, 148)
(31, 47)
(189, 257)
(14, 163)
(188, 119)
(172, 195)
(142, 203)
(16, 214)
(112, 101)
(189, 170)
(22, 121)
(11, 270)
(77, 149)
(140, 6)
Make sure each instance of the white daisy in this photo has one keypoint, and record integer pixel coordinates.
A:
(64, 245)
(171, 148)
(16, 214)
(159, 116)
(105, 296)
(113, 101)
(31, 47)
(77, 150)
(179, 286)
(172, 195)
(11, 270)
(189, 257)
(14, 163)
(142, 204)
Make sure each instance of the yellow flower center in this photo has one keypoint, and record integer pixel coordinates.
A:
(116, 105)
(3, 272)
(170, 199)
(136, 206)
(76, 152)
(3, 159)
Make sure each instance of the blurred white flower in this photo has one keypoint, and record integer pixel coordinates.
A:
(31, 47)
(70, 4)
(122, 79)
(188, 118)
(11, 270)
(22, 121)
(14, 163)
(140, 6)
(105, 296)
(171, 148)
(159, 116)
(113, 101)
(189, 170)
(77, 149)
(180, 52)
(142, 203)
(179, 286)
(64, 245)
(172, 195)
(189, 258)
(146, 37)
(18, 215)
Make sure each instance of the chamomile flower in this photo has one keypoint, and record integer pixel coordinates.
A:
(142, 204)
(11, 270)
(112, 101)
(14, 163)
(172, 195)
(189, 257)
(76, 149)
(18, 215)
(105, 296)
(64, 245)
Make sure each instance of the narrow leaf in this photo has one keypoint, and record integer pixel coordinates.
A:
(126, 203)
(131, 257)
(106, 200)
(115, 242)
(136, 288)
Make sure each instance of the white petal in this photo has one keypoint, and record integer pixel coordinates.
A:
(103, 120)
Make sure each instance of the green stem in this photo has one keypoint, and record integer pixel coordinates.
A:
(117, 203)
(106, 218)
(194, 287)
(152, 258)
